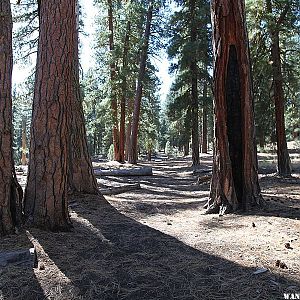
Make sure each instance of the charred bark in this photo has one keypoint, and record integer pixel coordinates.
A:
(10, 191)
(234, 182)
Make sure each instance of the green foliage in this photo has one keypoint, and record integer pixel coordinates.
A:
(260, 24)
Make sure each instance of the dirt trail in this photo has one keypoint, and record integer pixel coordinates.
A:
(157, 243)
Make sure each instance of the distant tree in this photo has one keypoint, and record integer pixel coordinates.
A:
(235, 180)
(10, 191)
(189, 33)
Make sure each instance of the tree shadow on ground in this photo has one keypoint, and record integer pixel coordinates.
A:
(18, 282)
(110, 256)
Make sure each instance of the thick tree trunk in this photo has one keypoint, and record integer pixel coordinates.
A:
(204, 120)
(81, 176)
(46, 194)
(133, 155)
(194, 91)
(10, 190)
(235, 180)
(24, 143)
(283, 159)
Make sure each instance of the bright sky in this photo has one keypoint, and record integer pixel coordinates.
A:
(86, 57)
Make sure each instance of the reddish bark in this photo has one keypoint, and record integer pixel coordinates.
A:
(235, 180)
(81, 175)
(283, 159)
(10, 191)
(46, 194)
(133, 155)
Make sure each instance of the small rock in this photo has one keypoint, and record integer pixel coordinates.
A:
(288, 246)
(253, 224)
(260, 271)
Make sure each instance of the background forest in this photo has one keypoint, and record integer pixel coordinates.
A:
(182, 121)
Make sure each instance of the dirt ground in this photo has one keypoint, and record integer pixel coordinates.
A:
(157, 243)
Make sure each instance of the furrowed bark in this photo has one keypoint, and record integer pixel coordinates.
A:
(234, 182)
(46, 194)
(10, 191)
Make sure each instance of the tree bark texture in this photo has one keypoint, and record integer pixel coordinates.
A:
(283, 159)
(132, 157)
(81, 175)
(10, 190)
(46, 194)
(235, 180)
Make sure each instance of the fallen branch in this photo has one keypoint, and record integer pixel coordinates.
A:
(142, 171)
(120, 189)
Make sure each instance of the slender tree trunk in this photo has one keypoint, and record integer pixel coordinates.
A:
(24, 143)
(234, 183)
(81, 174)
(186, 148)
(124, 91)
(194, 92)
(283, 159)
(114, 103)
(132, 158)
(204, 120)
(46, 194)
(10, 191)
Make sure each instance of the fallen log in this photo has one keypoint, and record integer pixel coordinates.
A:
(27, 257)
(203, 179)
(120, 189)
(142, 171)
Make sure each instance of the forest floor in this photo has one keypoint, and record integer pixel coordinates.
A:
(157, 243)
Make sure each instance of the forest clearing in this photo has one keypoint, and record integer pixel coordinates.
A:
(157, 242)
(149, 150)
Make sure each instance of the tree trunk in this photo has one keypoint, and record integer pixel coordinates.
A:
(132, 157)
(10, 190)
(283, 159)
(46, 194)
(114, 103)
(204, 120)
(235, 180)
(124, 91)
(24, 143)
(81, 176)
(194, 92)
